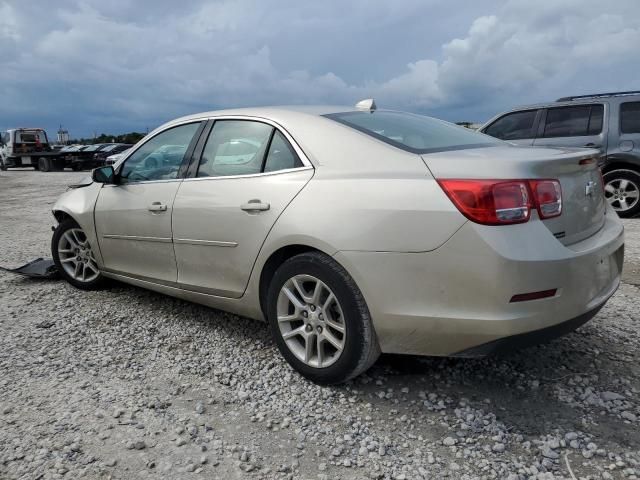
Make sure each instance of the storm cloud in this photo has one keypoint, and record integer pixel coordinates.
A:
(114, 66)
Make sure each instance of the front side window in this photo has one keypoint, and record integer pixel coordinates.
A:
(244, 147)
(513, 126)
(159, 158)
(630, 117)
(413, 133)
(575, 121)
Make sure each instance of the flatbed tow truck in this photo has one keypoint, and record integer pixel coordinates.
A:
(29, 147)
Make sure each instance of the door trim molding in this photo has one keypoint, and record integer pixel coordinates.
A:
(137, 238)
(213, 243)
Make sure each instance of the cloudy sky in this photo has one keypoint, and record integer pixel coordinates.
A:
(119, 65)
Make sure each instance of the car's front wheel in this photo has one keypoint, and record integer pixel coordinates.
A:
(74, 256)
(319, 319)
(622, 191)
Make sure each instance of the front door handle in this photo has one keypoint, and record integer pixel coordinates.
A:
(592, 145)
(157, 207)
(255, 205)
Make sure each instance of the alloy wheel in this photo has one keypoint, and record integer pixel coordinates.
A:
(622, 194)
(76, 256)
(311, 321)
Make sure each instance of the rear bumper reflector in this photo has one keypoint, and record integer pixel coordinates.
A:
(524, 297)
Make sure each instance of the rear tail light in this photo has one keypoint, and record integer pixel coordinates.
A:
(547, 196)
(504, 202)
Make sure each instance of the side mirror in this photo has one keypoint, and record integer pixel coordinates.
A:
(103, 175)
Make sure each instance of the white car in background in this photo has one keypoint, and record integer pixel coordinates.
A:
(113, 159)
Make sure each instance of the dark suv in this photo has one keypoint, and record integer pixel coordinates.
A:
(609, 122)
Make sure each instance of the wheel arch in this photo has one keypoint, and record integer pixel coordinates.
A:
(62, 215)
(277, 258)
(619, 164)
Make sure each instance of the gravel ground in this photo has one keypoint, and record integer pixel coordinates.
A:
(128, 384)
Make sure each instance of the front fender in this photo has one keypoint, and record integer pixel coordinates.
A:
(79, 204)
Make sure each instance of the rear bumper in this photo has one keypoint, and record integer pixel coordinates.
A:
(456, 298)
(523, 340)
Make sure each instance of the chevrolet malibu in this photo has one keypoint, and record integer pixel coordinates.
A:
(352, 231)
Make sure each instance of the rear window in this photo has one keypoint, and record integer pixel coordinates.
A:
(30, 136)
(413, 133)
(630, 117)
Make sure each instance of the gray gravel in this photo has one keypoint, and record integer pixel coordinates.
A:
(128, 384)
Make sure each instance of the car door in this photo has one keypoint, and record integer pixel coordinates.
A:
(133, 217)
(583, 125)
(247, 174)
(515, 127)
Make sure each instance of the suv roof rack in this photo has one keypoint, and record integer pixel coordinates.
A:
(598, 95)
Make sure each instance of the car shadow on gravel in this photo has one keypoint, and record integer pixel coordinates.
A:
(520, 387)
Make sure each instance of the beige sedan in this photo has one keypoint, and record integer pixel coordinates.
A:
(352, 231)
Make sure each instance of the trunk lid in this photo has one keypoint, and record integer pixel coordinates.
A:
(583, 203)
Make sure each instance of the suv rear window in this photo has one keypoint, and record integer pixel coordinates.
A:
(574, 121)
(630, 117)
(413, 133)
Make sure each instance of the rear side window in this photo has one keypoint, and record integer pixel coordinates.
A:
(235, 147)
(281, 155)
(413, 133)
(513, 126)
(574, 121)
(630, 117)
(244, 147)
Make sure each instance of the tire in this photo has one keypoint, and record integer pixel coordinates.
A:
(348, 310)
(87, 276)
(622, 191)
(3, 167)
(44, 164)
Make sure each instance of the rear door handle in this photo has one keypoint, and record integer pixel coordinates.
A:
(592, 145)
(157, 207)
(255, 205)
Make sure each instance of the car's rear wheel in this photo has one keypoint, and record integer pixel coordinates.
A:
(74, 256)
(320, 320)
(622, 191)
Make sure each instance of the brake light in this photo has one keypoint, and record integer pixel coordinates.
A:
(547, 196)
(490, 202)
(504, 202)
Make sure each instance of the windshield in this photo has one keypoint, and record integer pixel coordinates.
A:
(413, 133)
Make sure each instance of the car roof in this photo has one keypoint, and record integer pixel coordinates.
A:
(272, 112)
(577, 101)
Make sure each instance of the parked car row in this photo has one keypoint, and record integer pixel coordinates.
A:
(30, 147)
(608, 122)
(92, 156)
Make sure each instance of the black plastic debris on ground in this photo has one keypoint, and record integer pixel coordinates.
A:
(39, 268)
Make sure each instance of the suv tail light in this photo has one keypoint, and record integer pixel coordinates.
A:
(504, 202)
